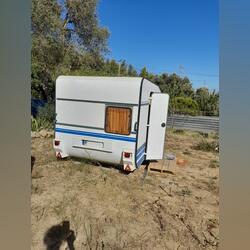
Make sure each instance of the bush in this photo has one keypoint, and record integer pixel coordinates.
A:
(38, 124)
(184, 105)
(179, 131)
(208, 146)
(47, 113)
(45, 118)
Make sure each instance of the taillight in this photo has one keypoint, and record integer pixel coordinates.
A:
(57, 142)
(127, 155)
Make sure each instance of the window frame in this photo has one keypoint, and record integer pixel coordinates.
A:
(122, 107)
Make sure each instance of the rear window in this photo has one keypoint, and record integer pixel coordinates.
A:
(118, 120)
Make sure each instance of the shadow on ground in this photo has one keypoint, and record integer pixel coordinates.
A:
(58, 235)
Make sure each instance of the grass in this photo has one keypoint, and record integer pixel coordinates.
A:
(110, 210)
(203, 134)
(185, 191)
(214, 164)
(205, 145)
(38, 124)
(179, 131)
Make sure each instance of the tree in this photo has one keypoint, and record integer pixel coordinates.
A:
(47, 46)
(184, 105)
(144, 72)
(83, 26)
(66, 38)
(174, 85)
(123, 68)
(208, 102)
(131, 71)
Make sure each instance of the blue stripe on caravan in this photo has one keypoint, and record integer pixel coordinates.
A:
(140, 155)
(141, 149)
(141, 160)
(99, 135)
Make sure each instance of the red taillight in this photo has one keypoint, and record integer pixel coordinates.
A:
(127, 155)
(57, 142)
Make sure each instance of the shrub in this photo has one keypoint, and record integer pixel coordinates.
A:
(45, 118)
(47, 113)
(208, 146)
(38, 124)
(179, 131)
(203, 134)
(184, 105)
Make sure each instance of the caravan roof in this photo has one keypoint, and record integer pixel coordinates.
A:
(111, 89)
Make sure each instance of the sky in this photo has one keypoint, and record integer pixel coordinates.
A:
(179, 36)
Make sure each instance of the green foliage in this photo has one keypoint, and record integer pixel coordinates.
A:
(45, 118)
(174, 85)
(89, 35)
(131, 71)
(184, 105)
(208, 102)
(67, 39)
(144, 72)
(64, 45)
(205, 145)
(47, 113)
(179, 131)
(38, 124)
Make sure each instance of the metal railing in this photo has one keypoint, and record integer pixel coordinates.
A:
(195, 123)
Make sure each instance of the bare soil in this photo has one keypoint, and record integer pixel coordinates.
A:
(108, 209)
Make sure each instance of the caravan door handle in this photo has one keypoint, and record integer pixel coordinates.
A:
(163, 124)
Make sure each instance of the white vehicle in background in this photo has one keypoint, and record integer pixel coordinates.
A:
(118, 120)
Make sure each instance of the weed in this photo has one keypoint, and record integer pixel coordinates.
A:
(35, 189)
(179, 131)
(212, 184)
(214, 135)
(203, 134)
(214, 164)
(185, 191)
(207, 146)
(187, 152)
(38, 124)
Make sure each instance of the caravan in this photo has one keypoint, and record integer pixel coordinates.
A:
(118, 120)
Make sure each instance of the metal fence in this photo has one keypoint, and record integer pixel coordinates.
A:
(195, 123)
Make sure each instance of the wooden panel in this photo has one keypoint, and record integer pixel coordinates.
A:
(118, 120)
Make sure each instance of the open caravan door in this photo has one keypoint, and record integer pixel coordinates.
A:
(157, 126)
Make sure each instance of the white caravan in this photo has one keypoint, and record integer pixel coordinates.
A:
(118, 120)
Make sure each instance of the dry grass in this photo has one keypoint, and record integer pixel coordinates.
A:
(110, 210)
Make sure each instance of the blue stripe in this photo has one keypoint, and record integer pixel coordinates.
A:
(139, 155)
(140, 160)
(106, 136)
(141, 148)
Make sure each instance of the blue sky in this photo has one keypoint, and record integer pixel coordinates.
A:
(179, 36)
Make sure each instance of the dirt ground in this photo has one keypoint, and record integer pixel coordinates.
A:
(108, 209)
